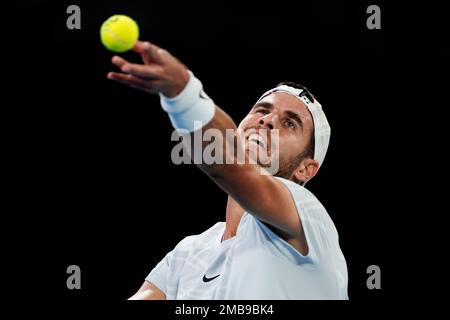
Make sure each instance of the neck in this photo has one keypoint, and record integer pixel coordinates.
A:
(234, 214)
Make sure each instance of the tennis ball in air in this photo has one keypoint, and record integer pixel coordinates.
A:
(119, 33)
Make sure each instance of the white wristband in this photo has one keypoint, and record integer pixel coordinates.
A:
(191, 109)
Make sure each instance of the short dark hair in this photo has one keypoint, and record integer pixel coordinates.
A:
(309, 151)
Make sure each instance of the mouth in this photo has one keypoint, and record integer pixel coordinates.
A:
(258, 140)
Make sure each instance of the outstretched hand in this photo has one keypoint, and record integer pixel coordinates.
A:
(160, 72)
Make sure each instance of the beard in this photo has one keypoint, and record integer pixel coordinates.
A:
(288, 166)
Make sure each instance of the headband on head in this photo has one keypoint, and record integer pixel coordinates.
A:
(322, 129)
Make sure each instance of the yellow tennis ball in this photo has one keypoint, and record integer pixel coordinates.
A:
(119, 33)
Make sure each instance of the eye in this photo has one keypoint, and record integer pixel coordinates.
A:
(262, 110)
(290, 124)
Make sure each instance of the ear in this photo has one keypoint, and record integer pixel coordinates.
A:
(306, 170)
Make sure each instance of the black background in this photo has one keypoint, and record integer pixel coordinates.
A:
(90, 178)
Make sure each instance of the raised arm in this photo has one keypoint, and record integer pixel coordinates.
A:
(261, 195)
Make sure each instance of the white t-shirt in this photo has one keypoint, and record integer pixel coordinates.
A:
(256, 263)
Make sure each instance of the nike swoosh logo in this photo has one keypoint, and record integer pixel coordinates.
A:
(205, 279)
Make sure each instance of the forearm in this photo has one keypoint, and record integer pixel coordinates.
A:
(222, 132)
(210, 134)
(234, 174)
(232, 170)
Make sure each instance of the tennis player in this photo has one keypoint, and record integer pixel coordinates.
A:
(277, 241)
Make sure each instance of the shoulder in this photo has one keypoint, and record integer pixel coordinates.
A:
(300, 193)
(313, 215)
(202, 239)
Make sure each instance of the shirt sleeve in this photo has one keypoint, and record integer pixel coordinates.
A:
(319, 230)
(166, 275)
(160, 274)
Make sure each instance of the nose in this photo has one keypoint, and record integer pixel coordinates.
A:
(269, 121)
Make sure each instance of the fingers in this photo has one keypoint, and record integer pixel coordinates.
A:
(152, 75)
(138, 70)
(139, 48)
(131, 80)
(150, 51)
(119, 61)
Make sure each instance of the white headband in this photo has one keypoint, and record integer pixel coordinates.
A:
(322, 129)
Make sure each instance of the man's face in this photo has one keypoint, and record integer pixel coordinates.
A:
(290, 117)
